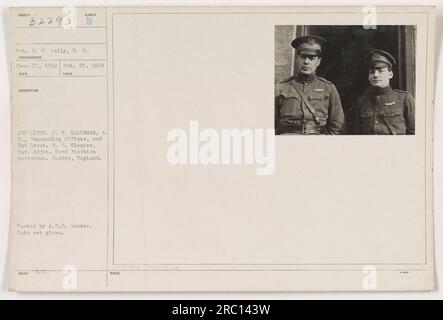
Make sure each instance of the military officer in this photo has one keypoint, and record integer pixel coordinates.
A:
(306, 103)
(381, 109)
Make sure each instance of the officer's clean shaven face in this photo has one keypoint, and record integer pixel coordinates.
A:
(379, 77)
(307, 64)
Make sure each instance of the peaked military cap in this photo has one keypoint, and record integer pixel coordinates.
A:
(311, 45)
(379, 58)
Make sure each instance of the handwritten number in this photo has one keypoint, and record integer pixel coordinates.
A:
(59, 20)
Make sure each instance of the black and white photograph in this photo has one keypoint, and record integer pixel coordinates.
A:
(345, 80)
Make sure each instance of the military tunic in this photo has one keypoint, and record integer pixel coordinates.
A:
(290, 110)
(384, 111)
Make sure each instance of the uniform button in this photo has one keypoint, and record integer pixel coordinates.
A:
(378, 97)
(376, 121)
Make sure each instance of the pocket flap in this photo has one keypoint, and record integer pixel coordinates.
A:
(318, 96)
(289, 92)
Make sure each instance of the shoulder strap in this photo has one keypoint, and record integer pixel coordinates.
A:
(285, 79)
(324, 80)
(308, 105)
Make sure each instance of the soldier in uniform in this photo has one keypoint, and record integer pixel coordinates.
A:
(381, 109)
(306, 103)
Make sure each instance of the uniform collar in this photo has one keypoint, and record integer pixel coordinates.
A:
(305, 78)
(381, 91)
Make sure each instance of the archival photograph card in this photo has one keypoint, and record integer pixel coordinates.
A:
(222, 149)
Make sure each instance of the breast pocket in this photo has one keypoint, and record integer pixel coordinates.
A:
(366, 122)
(290, 106)
(396, 119)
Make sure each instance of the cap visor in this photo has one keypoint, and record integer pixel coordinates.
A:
(379, 65)
(308, 52)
